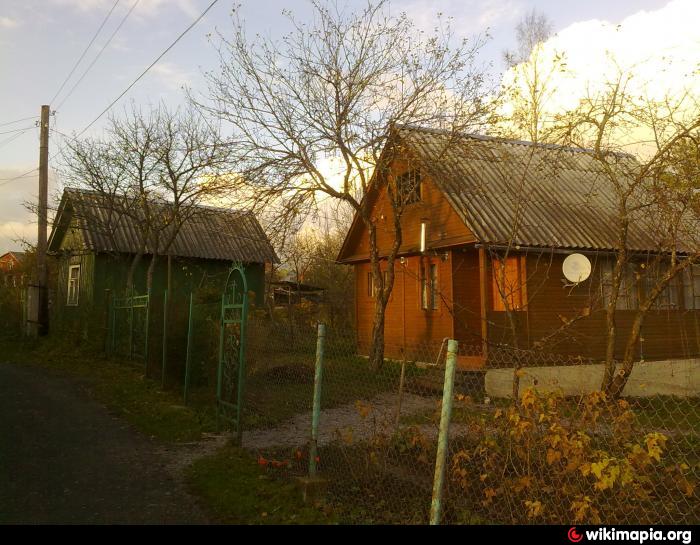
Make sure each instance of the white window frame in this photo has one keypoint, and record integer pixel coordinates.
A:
(73, 291)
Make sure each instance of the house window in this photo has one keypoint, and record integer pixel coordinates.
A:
(73, 285)
(668, 298)
(429, 287)
(508, 283)
(691, 287)
(628, 297)
(408, 187)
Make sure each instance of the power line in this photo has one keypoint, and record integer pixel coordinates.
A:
(84, 52)
(18, 120)
(5, 181)
(18, 130)
(14, 137)
(201, 16)
(99, 54)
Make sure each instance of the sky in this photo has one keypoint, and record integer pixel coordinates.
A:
(41, 40)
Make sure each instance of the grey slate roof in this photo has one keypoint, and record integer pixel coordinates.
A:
(531, 194)
(211, 233)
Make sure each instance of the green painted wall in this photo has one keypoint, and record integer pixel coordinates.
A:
(103, 276)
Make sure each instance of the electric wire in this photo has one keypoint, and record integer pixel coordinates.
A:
(201, 16)
(82, 56)
(99, 54)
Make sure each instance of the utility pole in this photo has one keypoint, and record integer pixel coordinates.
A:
(42, 273)
(38, 300)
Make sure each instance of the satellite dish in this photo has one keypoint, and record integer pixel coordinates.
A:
(576, 268)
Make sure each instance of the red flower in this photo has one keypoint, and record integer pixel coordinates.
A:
(262, 461)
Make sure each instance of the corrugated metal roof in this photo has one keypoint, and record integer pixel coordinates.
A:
(509, 191)
(211, 233)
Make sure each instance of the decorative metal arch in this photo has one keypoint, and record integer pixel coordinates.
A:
(232, 341)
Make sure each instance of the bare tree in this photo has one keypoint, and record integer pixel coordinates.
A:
(529, 82)
(533, 29)
(328, 94)
(153, 170)
(653, 192)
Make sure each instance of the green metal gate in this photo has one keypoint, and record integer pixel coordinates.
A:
(129, 327)
(232, 340)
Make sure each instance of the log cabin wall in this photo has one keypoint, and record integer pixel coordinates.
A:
(445, 227)
(667, 334)
(407, 324)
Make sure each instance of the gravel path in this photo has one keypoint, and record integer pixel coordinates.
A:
(65, 459)
(381, 418)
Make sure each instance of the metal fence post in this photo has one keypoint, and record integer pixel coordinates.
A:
(441, 458)
(313, 448)
(188, 355)
(148, 326)
(165, 338)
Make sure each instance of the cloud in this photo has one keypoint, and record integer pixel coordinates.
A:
(145, 9)
(8, 22)
(661, 49)
(470, 16)
(172, 75)
(13, 233)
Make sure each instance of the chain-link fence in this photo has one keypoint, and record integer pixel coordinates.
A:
(564, 453)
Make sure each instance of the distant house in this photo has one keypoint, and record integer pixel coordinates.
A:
(482, 209)
(288, 292)
(12, 270)
(95, 245)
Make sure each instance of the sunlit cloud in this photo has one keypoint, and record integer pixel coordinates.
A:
(659, 49)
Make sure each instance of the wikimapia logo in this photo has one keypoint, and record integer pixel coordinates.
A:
(637, 536)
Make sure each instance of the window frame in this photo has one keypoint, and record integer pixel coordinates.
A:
(691, 287)
(416, 193)
(629, 287)
(497, 302)
(429, 294)
(73, 288)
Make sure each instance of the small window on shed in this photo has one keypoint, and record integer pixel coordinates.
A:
(73, 285)
(408, 186)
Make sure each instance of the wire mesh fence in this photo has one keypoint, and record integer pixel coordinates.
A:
(562, 453)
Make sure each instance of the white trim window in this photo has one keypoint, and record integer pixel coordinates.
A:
(691, 287)
(73, 285)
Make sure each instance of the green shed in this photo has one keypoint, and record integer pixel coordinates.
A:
(93, 245)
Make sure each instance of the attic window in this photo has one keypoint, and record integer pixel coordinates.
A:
(408, 186)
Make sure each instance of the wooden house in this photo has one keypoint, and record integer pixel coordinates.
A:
(94, 245)
(485, 211)
(13, 272)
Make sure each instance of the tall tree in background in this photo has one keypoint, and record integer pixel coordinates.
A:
(528, 82)
(533, 29)
(310, 114)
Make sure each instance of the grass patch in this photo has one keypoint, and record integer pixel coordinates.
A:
(238, 491)
(121, 386)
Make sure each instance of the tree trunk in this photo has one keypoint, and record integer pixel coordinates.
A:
(376, 354)
(619, 380)
(609, 348)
